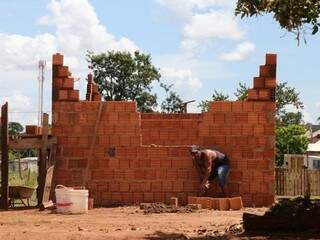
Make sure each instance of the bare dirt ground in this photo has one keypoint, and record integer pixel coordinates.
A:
(126, 223)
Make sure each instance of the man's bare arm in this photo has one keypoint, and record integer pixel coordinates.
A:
(207, 169)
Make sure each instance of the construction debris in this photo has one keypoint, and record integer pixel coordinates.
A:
(149, 208)
(288, 215)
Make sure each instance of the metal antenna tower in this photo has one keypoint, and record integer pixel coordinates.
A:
(41, 67)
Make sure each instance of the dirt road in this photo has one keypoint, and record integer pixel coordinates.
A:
(118, 223)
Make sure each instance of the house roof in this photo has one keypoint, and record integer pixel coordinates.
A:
(315, 128)
(314, 147)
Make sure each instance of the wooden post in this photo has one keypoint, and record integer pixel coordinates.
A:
(4, 158)
(43, 158)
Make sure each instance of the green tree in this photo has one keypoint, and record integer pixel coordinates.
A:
(172, 103)
(242, 91)
(125, 76)
(216, 96)
(299, 17)
(287, 96)
(291, 139)
(14, 128)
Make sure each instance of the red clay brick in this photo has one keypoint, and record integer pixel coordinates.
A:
(253, 94)
(63, 72)
(236, 203)
(270, 83)
(57, 59)
(258, 82)
(62, 95)
(271, 59)
(267, 71)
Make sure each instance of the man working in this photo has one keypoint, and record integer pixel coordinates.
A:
(211, 164)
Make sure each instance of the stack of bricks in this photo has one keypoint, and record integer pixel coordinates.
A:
(92, 90)
(222, 204)
(170, 129)
(264, 86)
(33, 130)
(62, 82)
(125, 166)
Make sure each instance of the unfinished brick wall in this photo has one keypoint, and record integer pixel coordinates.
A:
(125, 167)
(170, 129)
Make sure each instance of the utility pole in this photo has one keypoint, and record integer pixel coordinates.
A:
(41, 67)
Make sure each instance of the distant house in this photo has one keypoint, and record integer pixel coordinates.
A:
(314, 148)
(29, 163)
(314, 133)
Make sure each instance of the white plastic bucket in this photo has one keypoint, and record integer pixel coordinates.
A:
(71, 201)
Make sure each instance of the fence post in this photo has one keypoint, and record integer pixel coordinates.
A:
(4, 158)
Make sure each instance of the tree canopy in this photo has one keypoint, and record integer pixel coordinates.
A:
(296, 16)
(14, 128)
(125, 76)
(172, 103)
(291, 139)
(242, 91)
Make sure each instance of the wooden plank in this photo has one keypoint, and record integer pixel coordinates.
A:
(29, 143)
(47, 185)
(49, 175)
(4, 158)
(43, 158)
(96, 127)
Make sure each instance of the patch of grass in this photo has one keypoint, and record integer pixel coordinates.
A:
(27, 179)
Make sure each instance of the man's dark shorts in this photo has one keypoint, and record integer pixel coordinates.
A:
(221, 173)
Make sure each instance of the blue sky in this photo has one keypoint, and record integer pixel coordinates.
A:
(198, 45)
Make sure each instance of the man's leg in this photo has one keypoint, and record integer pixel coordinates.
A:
(223, 173)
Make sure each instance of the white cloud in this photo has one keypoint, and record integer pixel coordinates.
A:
(206, 27)
(21, 108)
(318, 104)
(184, 9)
(76, 29)
(22, 52)
(205, 22)
(181, 78)
(240, 53)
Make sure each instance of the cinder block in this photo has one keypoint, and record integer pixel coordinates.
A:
(215, 106)
(237, 106)
(57, 59)
(73, 95)
(62, 95)
(270, 83)
(224, 204)
(268, 71)
(63, 72)
(258, 82)
(68, 83)
(264, 94)
(236, 203)
(57, 83)
(271, 59)
(33, 130)
(253, 94)
(192, 200)
(226, 106)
